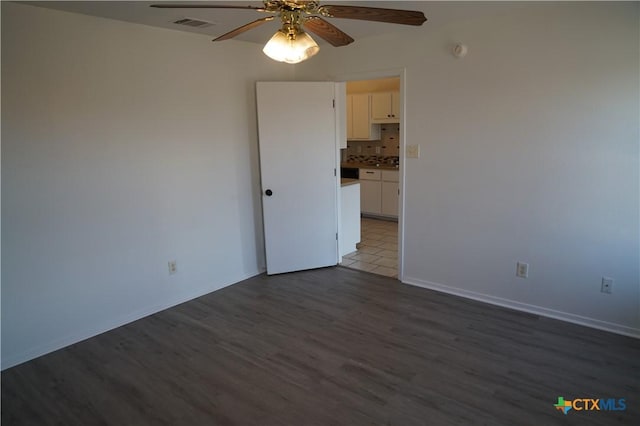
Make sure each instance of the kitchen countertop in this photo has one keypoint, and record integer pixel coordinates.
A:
(347, 182)
(369, 166)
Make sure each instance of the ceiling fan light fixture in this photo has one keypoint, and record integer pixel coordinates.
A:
(291, 47)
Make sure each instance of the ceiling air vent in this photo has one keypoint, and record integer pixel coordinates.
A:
(192, 23)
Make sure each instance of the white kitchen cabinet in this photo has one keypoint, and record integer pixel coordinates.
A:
(370, 174)
(370, 196)
(390, 175)
(379, 193)
(385, 107)
(390, 196)
(390, 192)
(370, 191)
(359, 125)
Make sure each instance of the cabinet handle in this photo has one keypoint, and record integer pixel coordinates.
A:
(369, 173)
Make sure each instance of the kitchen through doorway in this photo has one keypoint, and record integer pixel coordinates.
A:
(373, 157)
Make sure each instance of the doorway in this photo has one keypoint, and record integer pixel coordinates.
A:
(374, 147)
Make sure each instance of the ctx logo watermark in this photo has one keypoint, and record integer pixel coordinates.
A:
(590, 404)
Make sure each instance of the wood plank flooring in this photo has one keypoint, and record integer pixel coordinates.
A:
(329, 347)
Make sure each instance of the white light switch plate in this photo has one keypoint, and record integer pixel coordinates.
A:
(413, 151)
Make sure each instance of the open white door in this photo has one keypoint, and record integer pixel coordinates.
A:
(297, 133)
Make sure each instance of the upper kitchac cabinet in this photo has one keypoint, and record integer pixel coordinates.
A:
(385, 107)
(359, 125)
(369, 104)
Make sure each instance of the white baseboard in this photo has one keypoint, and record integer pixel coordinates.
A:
(60, 343)
(524, 307)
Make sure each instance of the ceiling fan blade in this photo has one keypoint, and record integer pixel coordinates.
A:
(393, 16)
(245, 27)
(203, 6)
(327, 31)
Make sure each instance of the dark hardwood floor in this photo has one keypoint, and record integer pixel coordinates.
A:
(329, 347)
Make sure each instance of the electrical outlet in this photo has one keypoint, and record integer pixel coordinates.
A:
(377, 150)
(413, 151)
(607, 285)
(173, 267)
(522, 270)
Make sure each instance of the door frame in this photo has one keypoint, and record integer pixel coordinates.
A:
(402, 74)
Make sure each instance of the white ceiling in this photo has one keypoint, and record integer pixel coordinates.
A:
(225, 20)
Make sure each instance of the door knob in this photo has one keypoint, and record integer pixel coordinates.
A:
(268, 192)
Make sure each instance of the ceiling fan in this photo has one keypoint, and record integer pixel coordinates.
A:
(291, 44)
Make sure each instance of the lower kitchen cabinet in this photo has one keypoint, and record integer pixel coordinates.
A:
(390, 195)
(379, 194)
(370, 196)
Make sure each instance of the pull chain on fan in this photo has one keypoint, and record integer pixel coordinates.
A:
(291, 44)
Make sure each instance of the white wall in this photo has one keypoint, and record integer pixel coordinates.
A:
(123, 146)
(530, 152)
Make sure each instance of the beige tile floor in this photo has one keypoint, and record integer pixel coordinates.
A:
(378, 248)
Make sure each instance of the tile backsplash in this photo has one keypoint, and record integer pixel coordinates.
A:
(384, 151)
(373, 159)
